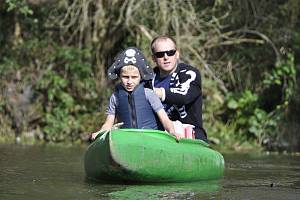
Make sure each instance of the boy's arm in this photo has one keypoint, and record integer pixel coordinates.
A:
(109, 122)
(161, 113)
(167, 123)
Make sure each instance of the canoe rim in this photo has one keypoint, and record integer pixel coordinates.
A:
(151, 131)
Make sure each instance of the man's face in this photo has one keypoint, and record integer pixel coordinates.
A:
(130, 78)
(164, 57)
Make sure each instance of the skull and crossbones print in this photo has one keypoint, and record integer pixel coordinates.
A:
(130, 56)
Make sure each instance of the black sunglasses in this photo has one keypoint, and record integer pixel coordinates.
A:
(161, 54)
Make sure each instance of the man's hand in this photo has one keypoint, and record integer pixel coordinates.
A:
(160, 92)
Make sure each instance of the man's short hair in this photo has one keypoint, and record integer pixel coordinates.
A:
(161, 37)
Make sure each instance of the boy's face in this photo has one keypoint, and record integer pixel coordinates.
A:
(130, 77)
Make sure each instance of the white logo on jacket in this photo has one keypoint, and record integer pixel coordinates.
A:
(182, 112)
(182, 88)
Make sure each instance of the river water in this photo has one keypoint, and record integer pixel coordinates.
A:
(56, 172)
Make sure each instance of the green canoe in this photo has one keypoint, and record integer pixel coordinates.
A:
(142, 155)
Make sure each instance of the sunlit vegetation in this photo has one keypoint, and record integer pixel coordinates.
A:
(54, 56)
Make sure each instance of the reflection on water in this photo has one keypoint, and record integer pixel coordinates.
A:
(55, 172)
(167, 191)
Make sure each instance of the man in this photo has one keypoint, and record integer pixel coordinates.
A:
(178, 85)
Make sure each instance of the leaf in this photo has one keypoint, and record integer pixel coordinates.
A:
(232, 104)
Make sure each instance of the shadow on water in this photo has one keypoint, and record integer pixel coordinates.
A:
(130, 191)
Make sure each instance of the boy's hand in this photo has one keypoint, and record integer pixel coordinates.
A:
(178, 136)
(94, 135)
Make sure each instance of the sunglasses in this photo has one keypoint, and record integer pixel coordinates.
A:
(161, 54)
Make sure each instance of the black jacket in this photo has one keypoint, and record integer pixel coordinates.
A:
(185, 97)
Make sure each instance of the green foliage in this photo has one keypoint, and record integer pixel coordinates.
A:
(61, 49)
(8, 65)
(250, 120)
(264, 126)
(245, 109)
(20, 6)
(70, 90)
(242, 107)
(283, 74)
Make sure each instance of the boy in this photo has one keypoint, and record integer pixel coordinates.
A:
(132, 103)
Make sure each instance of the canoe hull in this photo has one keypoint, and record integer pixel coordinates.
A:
(141, 155)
